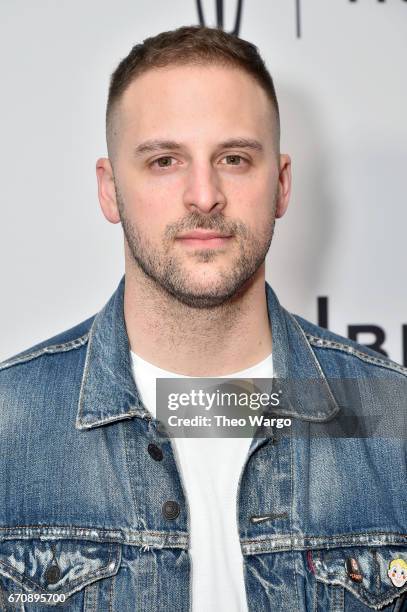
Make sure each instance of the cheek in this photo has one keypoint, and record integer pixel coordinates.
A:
(258, 194)
(157, 199)
(253, 192)
(151, 215)
(144, 207)
(162, 186)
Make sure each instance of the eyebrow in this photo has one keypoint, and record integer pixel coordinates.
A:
(158, 145)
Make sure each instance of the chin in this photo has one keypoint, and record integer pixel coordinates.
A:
(206, 285)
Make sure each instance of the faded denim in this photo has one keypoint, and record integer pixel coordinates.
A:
(81, 498)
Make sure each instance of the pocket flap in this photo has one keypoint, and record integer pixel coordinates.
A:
(375, 575)
(57, 566)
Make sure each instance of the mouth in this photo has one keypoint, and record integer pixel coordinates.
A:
(204, 239)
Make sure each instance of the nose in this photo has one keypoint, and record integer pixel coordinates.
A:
(203, 191)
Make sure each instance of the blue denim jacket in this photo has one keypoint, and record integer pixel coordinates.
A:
(83, 521)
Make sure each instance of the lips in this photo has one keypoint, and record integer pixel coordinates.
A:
(204, 239)
(203, 235)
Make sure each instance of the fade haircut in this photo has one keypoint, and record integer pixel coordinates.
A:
(196, 45)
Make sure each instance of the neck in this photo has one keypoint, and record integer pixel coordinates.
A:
(192, 341)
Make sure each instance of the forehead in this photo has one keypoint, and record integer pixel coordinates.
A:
(194, 100)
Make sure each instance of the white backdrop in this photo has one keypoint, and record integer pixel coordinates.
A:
(342, 90)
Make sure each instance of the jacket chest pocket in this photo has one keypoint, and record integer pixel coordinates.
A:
(73, 574)
(359, 579)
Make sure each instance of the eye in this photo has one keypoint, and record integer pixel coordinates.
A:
(235, 160)
(163, 162)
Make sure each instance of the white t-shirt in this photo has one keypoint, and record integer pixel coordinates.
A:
(210, 471)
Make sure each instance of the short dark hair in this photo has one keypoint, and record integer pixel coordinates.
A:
(189, 45)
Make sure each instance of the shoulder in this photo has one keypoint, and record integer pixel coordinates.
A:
(69, 340)
(336, 350)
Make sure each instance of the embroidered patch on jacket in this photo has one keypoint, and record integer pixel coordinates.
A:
(397, 572)
(353, 570)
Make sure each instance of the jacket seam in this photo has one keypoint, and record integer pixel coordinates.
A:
(85, 369)
(51, 349)
(348, 536)
(99, 529)
(335, 345)
(295, 573)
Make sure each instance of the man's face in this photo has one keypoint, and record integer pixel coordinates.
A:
(195, 152)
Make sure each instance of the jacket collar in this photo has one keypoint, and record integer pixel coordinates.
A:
(108, 391)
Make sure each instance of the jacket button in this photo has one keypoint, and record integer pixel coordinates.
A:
(155, 452)
(52, 574)
(171, 510)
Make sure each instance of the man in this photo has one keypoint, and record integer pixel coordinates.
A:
(100, 509)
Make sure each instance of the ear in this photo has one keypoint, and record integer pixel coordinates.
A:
(284, 185)
(107, 190)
